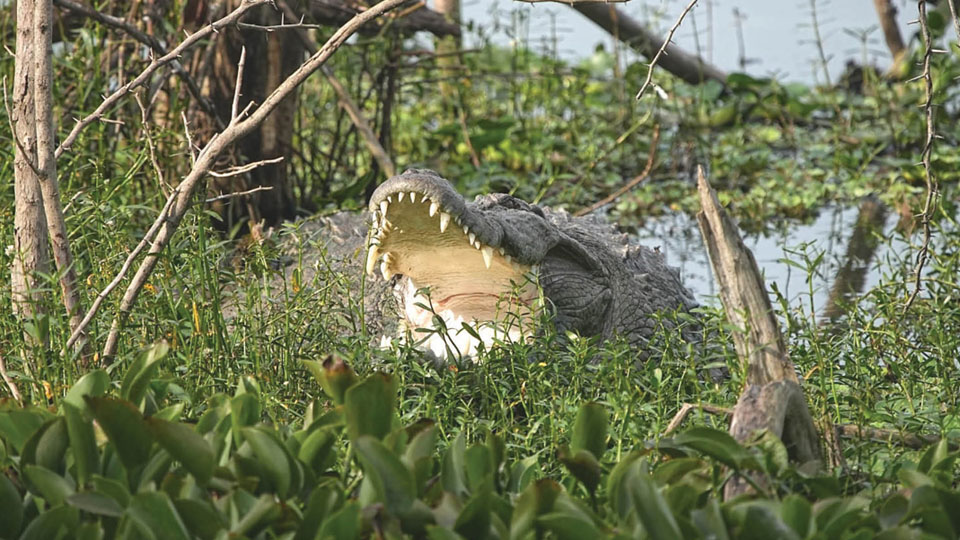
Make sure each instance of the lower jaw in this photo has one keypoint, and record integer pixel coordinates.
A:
(454, 342)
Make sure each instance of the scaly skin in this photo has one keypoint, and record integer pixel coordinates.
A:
(591, 278)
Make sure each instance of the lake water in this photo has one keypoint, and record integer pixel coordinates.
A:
(777, 34)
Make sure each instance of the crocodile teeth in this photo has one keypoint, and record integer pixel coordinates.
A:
(444, 221)
(385, 271)
(433, 209)
(400, 196)
(466, 230)
(507, 257)
(502, 252)
(389, 198)
(472, 237)
(383, 208)
(372, 255)
(487, 252)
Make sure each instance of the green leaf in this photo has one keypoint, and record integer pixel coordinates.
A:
(185, 445)
(200, 518)
(566, 527)
(272, 456)
(583, 466)
(392, 481)
(48, 445)
(709, 521)
(538, 499)
(797, 513)
(317, 447)
(141, 370)
(453, 468)
(324, 500)
(83, 444)
(478, 466)
(95, 503)
(369, 407)
(11, 519)
(154, 514)
(262, 512)
(49, 485)
(652, 509)
(53, 524)
(473, 522)
(590, 430)
(334, 375)
(112, 488)
(436, 532)
(717, 444)
(17, 426)
(125, 428)
(94, 383)
(343, 524)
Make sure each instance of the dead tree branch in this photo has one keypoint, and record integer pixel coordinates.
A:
(193, 39)
(691, 69)
(238, 127)
(887, 13)
(417, 17)
(11, 384)
(663, 48)
(933, 192)
(773, 399)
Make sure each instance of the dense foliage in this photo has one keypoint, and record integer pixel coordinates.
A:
(104, 467)
(221, 431)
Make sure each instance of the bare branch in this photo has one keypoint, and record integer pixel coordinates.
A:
(11, 384)
(236, 89)
(192, 40)
(241, 169)
(207, 158)
(932, 188)
(663, 48)
(237, 194)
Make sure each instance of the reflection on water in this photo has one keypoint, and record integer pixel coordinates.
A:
(850, 239)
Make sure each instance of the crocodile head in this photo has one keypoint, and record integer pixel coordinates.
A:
(456, 262)
(493, 263)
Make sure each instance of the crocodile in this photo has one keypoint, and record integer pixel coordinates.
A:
(465, 275)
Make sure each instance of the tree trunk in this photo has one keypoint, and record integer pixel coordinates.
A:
(891, 32)
(47, 163)
(692, 69)
(30, 248)
(271, 57)
(447, 47)
(773, 399)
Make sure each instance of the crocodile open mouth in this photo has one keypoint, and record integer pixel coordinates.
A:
(449, 275)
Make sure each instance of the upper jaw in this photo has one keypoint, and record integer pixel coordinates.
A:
(520, 234)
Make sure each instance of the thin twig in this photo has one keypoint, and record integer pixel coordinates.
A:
(191, 40)
(241, 169)
(663, 48)
(237, 194)
(236, 90)
(237, 129)
(932, 190)
(685, 411)
(11, 384)
(632, 183)
(956, 20)
(151, 147)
